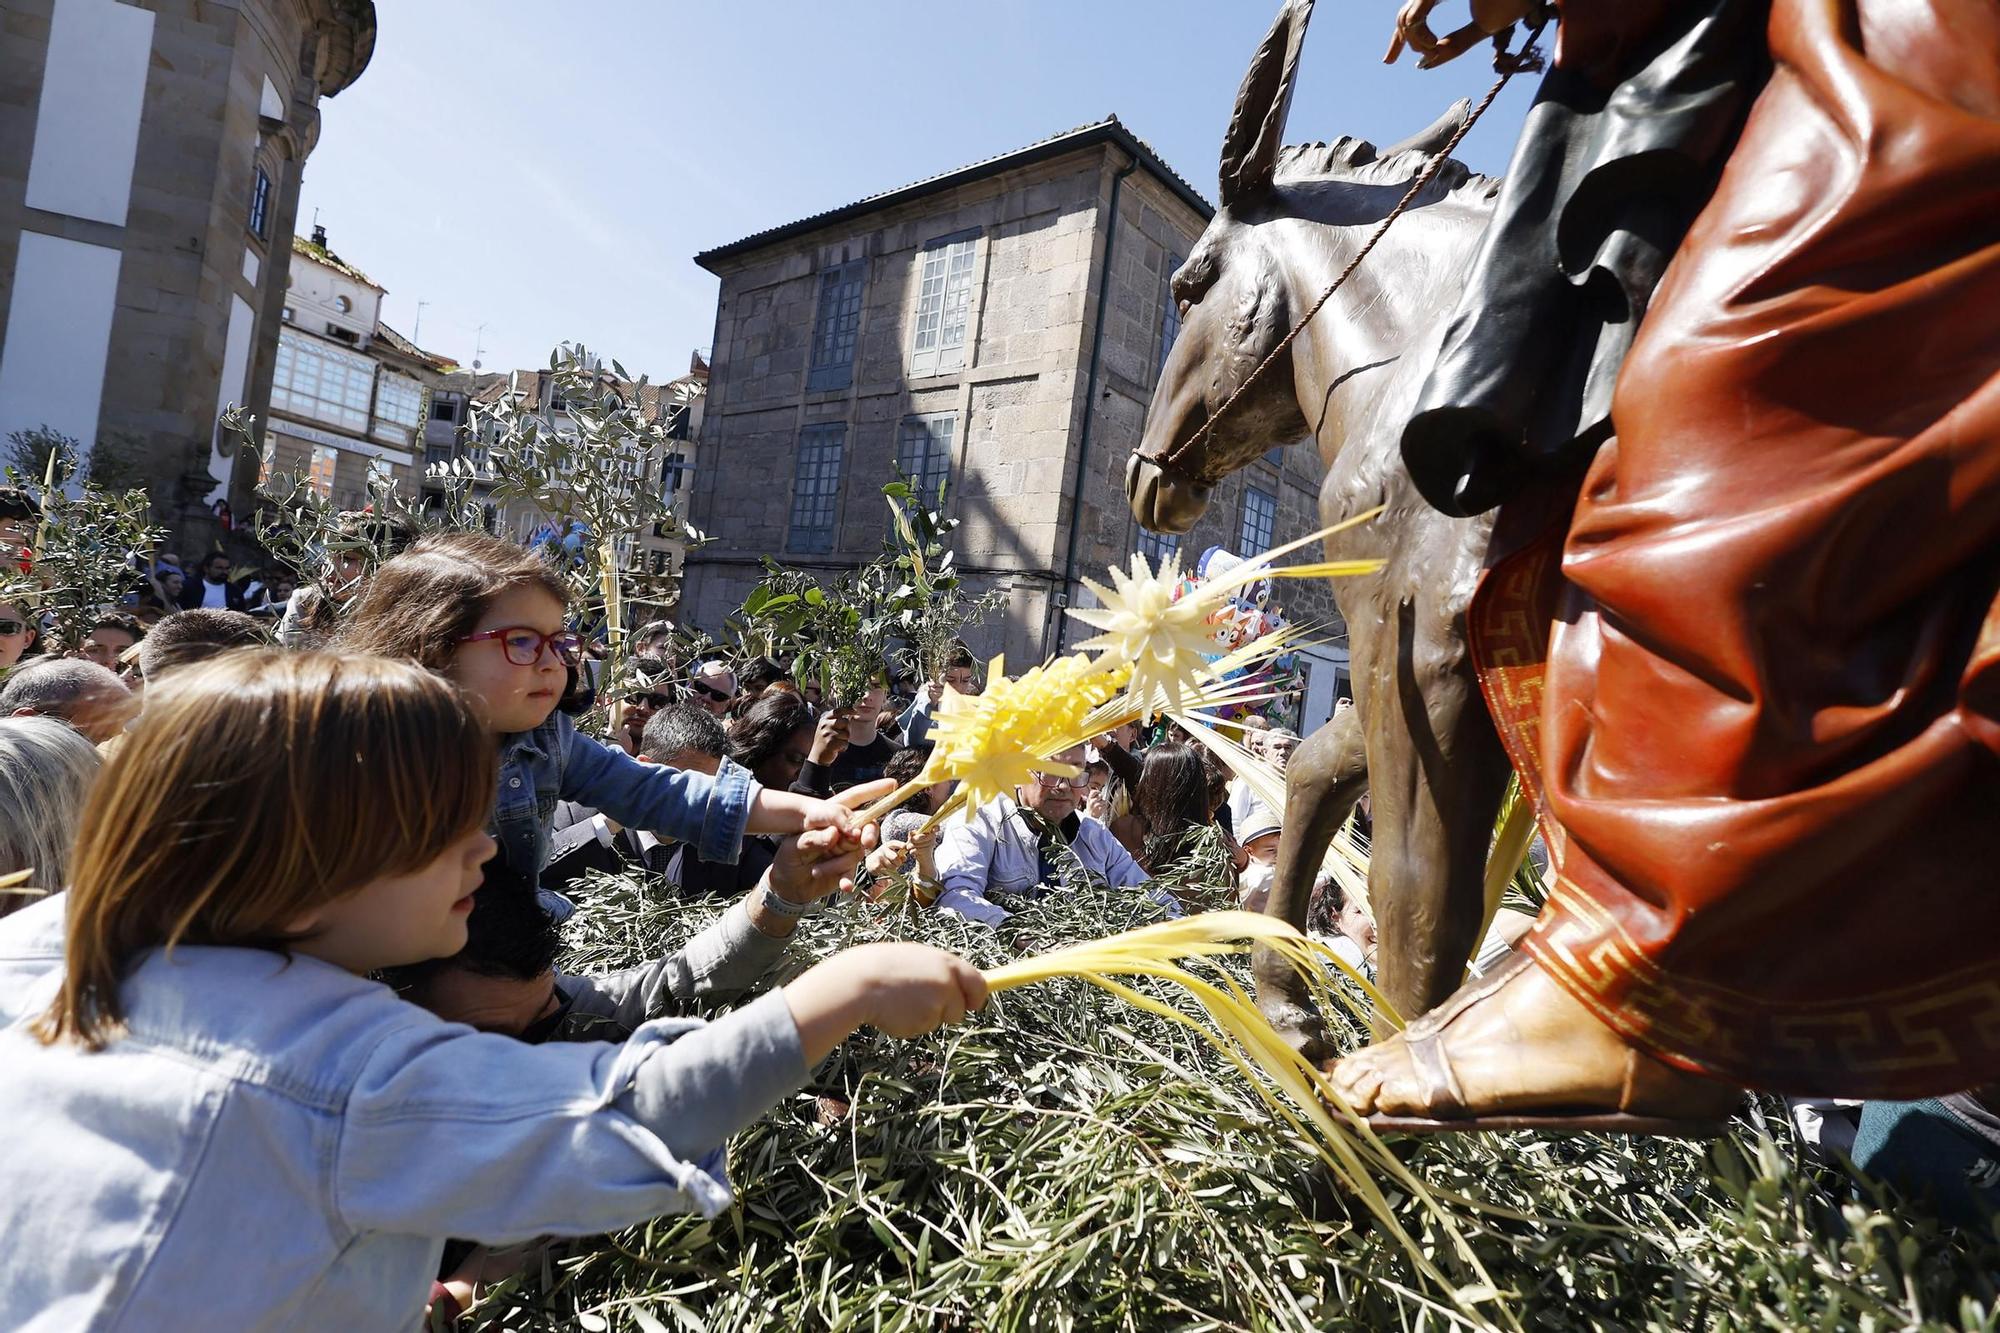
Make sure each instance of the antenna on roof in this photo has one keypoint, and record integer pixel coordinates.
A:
(417, 333)
(478, 346)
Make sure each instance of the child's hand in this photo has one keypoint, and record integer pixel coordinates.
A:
(789, 812)
(904, 990)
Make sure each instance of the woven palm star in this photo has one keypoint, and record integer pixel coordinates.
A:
(1166, 641)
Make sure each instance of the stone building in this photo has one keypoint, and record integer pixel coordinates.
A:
(150, 158)
(348, 393)
(997, 330)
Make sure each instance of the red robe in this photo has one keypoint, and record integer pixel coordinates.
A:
(1767, 742)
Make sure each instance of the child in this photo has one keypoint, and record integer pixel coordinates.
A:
(214, 1117)
(488, 615)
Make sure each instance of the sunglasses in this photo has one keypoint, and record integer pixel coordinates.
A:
(524, 646)
(653, 701)
(12, 627)
(1062, 780)
(718, 695)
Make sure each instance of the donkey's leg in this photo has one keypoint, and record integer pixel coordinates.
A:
(1326, 777)
(1437, 775)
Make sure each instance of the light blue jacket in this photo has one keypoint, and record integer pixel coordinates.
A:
(556, 762)
(280, 1145)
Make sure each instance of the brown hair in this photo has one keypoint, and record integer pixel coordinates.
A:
(420, 604)
(253, 788)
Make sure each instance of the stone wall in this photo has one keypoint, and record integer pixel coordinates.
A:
(187, 253)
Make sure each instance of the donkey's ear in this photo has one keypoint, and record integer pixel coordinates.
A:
(1257, 126)
(1435, 135)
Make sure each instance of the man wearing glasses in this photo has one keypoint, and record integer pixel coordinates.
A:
(1029, 846)
(713, 686)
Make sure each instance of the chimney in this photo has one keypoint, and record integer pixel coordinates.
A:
(319, 236)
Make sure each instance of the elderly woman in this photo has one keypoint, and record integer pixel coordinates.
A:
(46, 769)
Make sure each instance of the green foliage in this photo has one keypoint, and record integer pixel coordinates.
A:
(933, 605)
(88, 544)
(907, 607)
(593, 478)
(1067, 1161)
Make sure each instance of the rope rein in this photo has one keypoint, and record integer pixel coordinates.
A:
(1528, 58)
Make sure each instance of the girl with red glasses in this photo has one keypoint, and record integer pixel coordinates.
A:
(490, 617)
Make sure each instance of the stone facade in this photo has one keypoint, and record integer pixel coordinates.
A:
(1042, 411)
(160, 142)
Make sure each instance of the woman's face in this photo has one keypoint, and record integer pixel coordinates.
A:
(17, 632)
(782, 769)
(171, 582)
(1355, 923)
(508, 697)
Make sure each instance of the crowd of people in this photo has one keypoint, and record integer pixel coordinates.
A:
(285, 867)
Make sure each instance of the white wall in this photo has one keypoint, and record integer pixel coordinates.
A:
(87, 128)
(312, 294)
(235, 366)
(58, 337)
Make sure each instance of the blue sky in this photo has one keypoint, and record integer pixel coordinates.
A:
(549, 173)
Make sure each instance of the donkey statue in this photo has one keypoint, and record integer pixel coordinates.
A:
(1419, 738)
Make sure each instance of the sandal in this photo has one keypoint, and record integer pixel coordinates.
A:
(1646, 1084)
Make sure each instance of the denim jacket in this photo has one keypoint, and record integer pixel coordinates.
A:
(555, 762)
(284, 1145)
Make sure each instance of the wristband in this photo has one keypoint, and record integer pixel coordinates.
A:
(778, 906)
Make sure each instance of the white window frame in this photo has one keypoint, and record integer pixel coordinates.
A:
(316, 380)
(399, 408)
(943, 315)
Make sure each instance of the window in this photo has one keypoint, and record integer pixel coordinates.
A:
(944, 301)
(324, 383)
(674, 471)
(381, 472)
(1275, 456)
(835, 326)
(343, 305)
(1158, 547)
(1170, 314)
(348, 336)
(320, 474)
(558, 401)
(260, 206)
(1260, 521)
(287, 316)
(444, 407)
(677, 419)
(923, 453)
(816, 488)
(399, 408)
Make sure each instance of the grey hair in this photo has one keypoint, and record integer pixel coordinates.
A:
(55, 685)
(683, 727)
(46, 770)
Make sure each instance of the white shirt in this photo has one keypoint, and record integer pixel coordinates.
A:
(215, 595)
(997, 849)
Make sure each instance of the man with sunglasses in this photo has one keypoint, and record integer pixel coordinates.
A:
(713, 686)
(650, 692)
(1029, 846)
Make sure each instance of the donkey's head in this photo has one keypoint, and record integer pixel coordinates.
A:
(1236, 304)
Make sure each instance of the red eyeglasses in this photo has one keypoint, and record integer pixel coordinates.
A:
(523, 646)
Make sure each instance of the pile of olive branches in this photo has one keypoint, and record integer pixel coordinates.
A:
(1064, 1160)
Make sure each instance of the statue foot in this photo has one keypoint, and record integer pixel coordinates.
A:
(1514, 1050)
